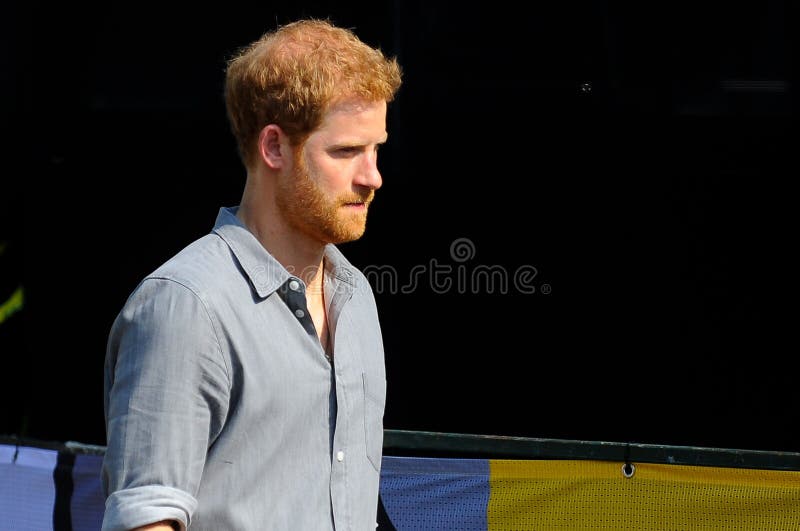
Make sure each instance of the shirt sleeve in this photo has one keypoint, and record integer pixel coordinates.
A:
(166, 397)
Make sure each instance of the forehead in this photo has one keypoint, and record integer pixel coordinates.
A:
(362, 120)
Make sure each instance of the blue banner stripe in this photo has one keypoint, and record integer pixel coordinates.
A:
(430, 493)
(27, 490)
(88, 502)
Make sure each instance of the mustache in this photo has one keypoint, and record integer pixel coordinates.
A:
(358, 198)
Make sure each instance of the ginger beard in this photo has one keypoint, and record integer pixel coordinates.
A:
(307, 208)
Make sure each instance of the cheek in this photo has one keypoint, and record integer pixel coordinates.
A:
(330, 175)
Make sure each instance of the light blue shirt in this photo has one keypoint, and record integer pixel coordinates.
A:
(222, 411)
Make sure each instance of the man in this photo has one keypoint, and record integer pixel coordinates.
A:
(245, 380)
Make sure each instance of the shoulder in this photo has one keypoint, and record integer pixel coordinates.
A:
(170, 310)
(199, 267)
(191, 280)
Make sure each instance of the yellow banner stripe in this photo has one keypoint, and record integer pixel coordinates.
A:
(578, 494)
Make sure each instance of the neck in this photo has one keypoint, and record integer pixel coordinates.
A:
(301, 254)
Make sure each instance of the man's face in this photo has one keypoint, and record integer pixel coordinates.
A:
(327, 193)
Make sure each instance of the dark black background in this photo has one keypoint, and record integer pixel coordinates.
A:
(641, 158)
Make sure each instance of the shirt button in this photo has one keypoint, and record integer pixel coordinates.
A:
(300, 314)
(340, 456)
(294, 285)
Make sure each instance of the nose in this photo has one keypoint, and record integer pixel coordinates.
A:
(369, 175)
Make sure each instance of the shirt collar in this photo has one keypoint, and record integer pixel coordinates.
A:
(265, 273)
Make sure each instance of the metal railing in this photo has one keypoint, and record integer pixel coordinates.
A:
(504, 447)
(463, 445)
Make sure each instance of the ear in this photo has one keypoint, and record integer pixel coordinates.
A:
(273, 146)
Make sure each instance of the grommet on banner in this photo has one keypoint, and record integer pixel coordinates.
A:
(628, 469)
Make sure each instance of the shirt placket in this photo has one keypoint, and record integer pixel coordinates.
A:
(293, 293)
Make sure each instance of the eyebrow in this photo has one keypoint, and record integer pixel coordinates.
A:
(356, 143)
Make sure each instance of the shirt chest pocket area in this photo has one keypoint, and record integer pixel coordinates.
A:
(374, 400)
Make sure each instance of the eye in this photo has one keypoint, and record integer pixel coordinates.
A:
(349, 151)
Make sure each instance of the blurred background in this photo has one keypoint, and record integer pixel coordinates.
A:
(585, 229)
